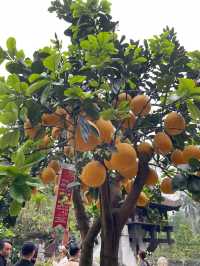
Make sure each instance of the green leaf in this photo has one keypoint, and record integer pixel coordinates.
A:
(16, 193)
(4, 88)
(9, 114)
(185, 86)
(11, 45)
(20, 55)
(51, 62)
(108, 114)
(76, 79)
(19, 158)
(139, 60)
(34, 111)
(106, 6)
(2, 55)
(14, 82)
(17, 68)
(10, 139)
(33, 77)
(33, 182)
(131, 84)
(37, 86)
(75, 92)
(15, 208)
(193, 110)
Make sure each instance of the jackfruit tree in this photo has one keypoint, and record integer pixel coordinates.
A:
(124, 113)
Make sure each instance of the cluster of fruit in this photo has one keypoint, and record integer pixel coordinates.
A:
(124, 157)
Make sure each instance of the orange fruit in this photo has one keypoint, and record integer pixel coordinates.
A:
(140, 105)
(48, 175)
(152, 178)
(106, 130)
(145, 148)
(93, 174)
(166, 186)
(56, 132)
(143, 200)
(177, 157)
(45, 141)
(174, 124)
(130, 121)
(52, 120)
(55, 165)
(162, 143)
(124, 157)
(92, 142)
(123, 97)
(30, 131)
(191, 151)
(130, 172)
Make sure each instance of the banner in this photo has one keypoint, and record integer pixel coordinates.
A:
(64, 194)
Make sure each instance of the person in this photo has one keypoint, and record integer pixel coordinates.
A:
(63, 258)
(5, 251)
(143, 261)
(27, 253)
(162, 261)
(74, 252)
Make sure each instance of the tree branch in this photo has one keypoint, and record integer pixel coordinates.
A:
(130, 203)
(106, 211)
(88, 243)
(81, 217)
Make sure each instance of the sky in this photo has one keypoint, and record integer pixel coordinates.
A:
(32, 26)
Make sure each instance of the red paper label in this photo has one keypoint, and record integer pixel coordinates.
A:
(63, 201)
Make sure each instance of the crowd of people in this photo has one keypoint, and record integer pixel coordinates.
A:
(69, 257)
(29, 254)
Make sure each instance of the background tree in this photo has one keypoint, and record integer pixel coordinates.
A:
(120, 111)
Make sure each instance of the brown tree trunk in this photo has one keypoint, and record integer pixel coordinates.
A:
(112, 222)
(88, 234)
(110, 234)
(86, 258)
(110, 245)
(80, 214)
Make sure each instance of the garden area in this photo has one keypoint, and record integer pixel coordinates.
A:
(100, 145)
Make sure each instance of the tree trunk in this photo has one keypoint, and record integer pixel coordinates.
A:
(80, 214)
(86, 258)
(88, 234)
(112, 222)
(110, 245)
(110, 234)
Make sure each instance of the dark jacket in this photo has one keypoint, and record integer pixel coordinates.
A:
(3, 261)
(24, 262)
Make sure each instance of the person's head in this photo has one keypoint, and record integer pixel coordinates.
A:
(142, 255)
(74, 250)
(5, 247)
(28, 250)
(162, 261)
